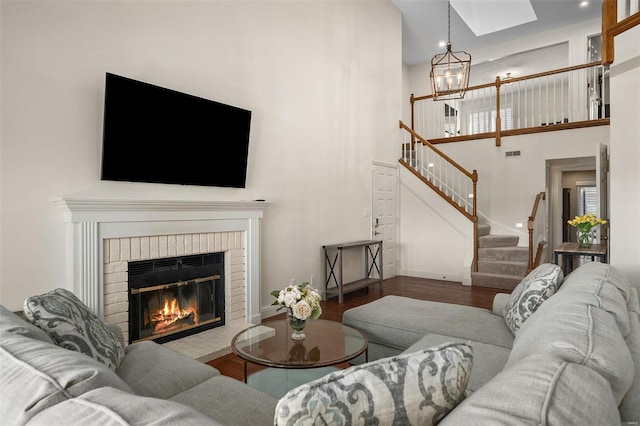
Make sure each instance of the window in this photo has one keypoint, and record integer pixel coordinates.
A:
(587, 200)
(485, 121)
(451, 122)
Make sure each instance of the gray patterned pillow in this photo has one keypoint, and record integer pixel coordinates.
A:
(71, 325)
(535, 288)
(418, 388)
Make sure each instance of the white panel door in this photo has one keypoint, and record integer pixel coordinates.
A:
(384, 217)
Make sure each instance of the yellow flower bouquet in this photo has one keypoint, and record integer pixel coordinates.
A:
(585, 224)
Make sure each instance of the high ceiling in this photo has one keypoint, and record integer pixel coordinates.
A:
(424, 23)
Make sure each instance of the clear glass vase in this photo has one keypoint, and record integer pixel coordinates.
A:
(585, 238)
(298, 326)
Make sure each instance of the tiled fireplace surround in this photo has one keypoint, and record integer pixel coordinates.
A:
(105, 234)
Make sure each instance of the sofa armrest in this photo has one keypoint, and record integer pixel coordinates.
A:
(115, 329)
(499, 301)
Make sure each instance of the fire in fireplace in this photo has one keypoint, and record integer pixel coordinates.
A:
(173, 297)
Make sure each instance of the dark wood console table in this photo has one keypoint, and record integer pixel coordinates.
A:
(333, 264)
(569, 250)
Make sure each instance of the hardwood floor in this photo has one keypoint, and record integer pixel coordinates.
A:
(417, 288)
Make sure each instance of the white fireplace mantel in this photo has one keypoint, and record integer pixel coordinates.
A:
(92, 220)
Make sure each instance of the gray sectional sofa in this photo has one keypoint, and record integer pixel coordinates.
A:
(574, 360)
(44, 384)
(564, 353)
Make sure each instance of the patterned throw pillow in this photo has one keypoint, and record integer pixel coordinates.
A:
(535, 288)
(419, 388)
(71, 325)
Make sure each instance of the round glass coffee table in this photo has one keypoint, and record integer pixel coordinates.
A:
(295, 362)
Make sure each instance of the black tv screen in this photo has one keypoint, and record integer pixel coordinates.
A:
(154, 134)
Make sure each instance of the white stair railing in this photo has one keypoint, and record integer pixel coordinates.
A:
(454, 183)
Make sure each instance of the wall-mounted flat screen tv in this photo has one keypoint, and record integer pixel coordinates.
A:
(154, 134)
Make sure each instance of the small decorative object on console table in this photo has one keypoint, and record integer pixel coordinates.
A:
(585, 224)
(302, 303)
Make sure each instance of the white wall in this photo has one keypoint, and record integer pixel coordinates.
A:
(323, 80)
(436, 240)
(625, 155)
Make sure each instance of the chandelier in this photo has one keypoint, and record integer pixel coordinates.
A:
(450, 71)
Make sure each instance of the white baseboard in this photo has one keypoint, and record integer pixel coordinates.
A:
(444, 276)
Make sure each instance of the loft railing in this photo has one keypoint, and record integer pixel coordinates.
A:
(447, 178)
(560, 99)
(537, 242)
(618, 16)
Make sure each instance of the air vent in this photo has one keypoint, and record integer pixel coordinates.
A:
(168, 270)
(175, 263)
(510, 154)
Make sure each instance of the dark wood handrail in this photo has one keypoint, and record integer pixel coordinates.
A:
(525, 131)
(552, 72)
(625, 24)
(611, 28)
(472, 175)
(530, 224)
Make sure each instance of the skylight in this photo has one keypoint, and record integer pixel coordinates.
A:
(488, 16)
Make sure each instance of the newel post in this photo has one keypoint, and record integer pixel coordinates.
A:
(413, 124)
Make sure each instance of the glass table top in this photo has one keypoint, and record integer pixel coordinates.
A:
(326, 343)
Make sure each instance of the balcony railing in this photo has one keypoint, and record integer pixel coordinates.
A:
(565, 98)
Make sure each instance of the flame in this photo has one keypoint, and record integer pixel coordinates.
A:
(165, 319)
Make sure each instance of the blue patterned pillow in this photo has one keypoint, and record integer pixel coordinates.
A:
(418, 388)
(71, 325)
(535, 288)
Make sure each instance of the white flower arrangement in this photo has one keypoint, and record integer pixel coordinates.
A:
(302, 302)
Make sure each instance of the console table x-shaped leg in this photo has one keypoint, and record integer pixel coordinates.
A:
(334, 273)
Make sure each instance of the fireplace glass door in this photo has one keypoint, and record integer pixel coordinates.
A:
(172, 298)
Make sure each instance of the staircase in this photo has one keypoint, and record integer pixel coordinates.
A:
(501, 263)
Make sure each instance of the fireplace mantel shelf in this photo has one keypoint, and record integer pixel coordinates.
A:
(104, 204)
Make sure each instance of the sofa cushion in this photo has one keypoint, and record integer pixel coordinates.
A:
(35, 375)
(488, 360)
(529, 294)
(416, 388)
(11, 322)
(154, 370)
(227, 393)
(568, 327)
(72, 325)
(605, 271)
(540, 390)
(630, 405)
(399, 322)
(112, 407)
(592, 284)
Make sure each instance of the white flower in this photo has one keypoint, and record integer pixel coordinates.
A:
(301, 310)
(291, 298)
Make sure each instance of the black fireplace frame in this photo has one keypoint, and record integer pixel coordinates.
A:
(174, 274)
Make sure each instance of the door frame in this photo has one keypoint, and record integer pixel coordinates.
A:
(391, 255)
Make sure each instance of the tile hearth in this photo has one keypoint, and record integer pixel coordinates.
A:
(209, 344)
